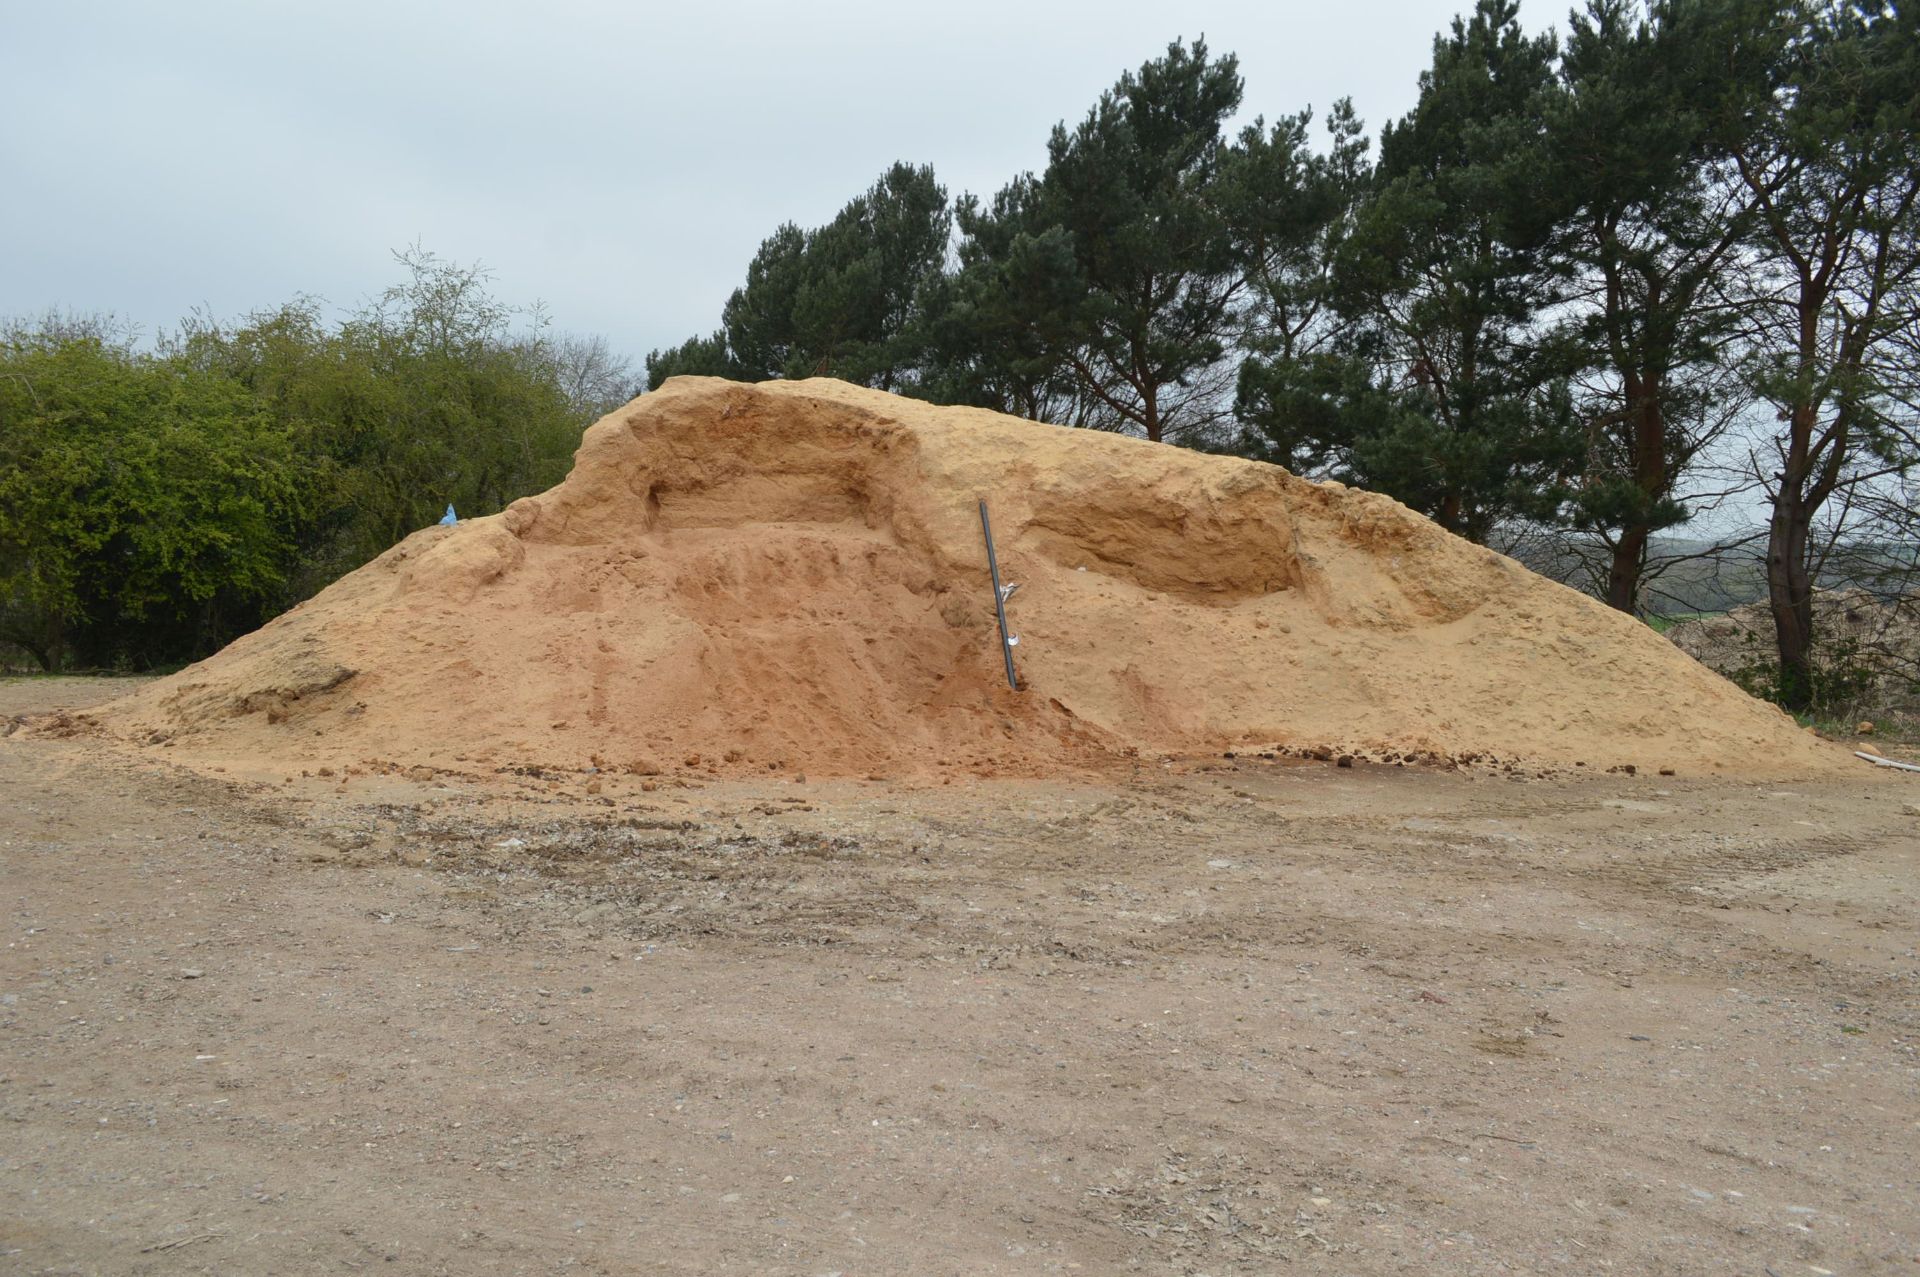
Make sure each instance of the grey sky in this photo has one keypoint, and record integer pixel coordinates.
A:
(618, 162)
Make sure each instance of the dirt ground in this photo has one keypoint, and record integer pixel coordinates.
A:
(1234, 1017)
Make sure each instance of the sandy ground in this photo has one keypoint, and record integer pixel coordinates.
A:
(1246, 1018)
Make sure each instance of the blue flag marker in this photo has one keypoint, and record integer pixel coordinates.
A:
(448, 519)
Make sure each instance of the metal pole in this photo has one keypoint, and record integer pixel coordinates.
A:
(999, 598)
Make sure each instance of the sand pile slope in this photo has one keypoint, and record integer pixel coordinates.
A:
(790, 576)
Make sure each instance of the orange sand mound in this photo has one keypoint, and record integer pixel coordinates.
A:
(790, 576)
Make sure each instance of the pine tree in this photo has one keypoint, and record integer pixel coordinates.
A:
(1834, 171)
(1650, 233)
(1291, 208)
(837, 301)
(1108, 283)
(1449, 404)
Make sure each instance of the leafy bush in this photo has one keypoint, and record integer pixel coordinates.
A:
(155, 504)
(147, 510)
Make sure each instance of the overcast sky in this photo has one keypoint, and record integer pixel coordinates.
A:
(618, 162)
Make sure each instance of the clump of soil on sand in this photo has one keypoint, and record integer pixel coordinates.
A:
(790, 577)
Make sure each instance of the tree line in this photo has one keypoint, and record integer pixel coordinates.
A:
(1586, 288)
(158, 501)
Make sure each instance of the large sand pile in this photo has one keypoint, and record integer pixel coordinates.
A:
(790, 576)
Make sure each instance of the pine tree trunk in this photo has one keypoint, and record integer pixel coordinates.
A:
(1789, 532)
(1650, 475)
(1790, 592)
(1623, 574)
